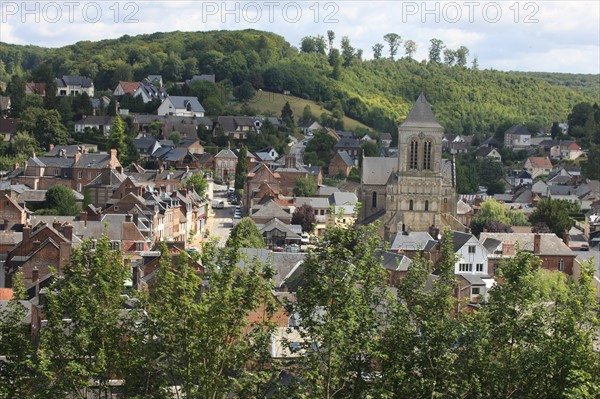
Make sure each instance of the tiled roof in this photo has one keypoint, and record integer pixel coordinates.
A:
(130, 87)
(540, 162)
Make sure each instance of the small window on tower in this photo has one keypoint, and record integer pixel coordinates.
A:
(374, 200)
(413, 157)
(410, 205)
(427, 155)
(426, 205)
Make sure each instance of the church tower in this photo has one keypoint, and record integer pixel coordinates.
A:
(424, 185)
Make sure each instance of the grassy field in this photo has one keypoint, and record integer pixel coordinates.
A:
(268, 102)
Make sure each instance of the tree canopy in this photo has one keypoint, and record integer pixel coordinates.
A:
(245, 234)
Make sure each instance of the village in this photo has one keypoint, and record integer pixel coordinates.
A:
(409, 189)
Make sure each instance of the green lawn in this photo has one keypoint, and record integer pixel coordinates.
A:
(268, 102)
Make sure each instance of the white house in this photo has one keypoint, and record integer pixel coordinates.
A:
(181, 106)
(74, 85)
(472, 265)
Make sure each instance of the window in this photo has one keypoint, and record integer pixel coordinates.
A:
(426, 205)
(410, 205)
(479, 267)
(413, 157)
(427, 155)
(139, 246)
(471, 249)
(374, 200)
(561, 265)
(465, 267)
(475, 291)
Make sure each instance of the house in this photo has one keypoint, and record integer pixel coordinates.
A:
(146, 146)
(471, 263)
(538, 166)
(181, 106)
(151, 92)
(102, 124)
(517, 137)
(571, 151)
(320, 207)
(342, 209)
(523, 178)
(279, 234)
(350, 146)
(267, 154)
(552, 251)
(236, 127)
(341, 164)
(268, 209)
(489, 152)
(259, 177)
(225, 164)
(309, 127)
(260, 120)
(8, 127)
(74, 85)
(154, 80)
(126, 88)
(32, 88)
(386, 140)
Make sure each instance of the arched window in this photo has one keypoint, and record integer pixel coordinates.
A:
(374, 200)
(426, 205)
(427, 146)
(188, 106)
(413, 160)
(410, 205)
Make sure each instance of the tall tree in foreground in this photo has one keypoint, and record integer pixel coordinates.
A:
(337, 305)
(393, 40)
(81, 346)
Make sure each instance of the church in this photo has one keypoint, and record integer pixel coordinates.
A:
(416, 191)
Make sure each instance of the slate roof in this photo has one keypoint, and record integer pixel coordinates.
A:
(421, 115)
(94, 120)
(347, 143)
(146, 144)
(377, 170)
(460, 239)
(385, 137)
(283, 262)
(4, 103)
(550, 244)
(93, 161)
(484, 151)
(413, 241)
(231, 123)
(182, 101)
(518, 130)
(395, 262)
(524, 175)
(276, 224)
(226, 153)
(153, 92)
(74, 81)
(343, 155)
(271, 210)
(343, 198)
(315, 202)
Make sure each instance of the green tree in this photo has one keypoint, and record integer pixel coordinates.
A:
(17, 370)
(377, 50)
(554, 214)
(410, 48)
(330, 39)
(496, 187)
(241, 169)
(287, 115)
(461, 56)
(117, 139)
(435, 51)
(348, 52)
(62, 200)
(591, 167)
(16, 91)
(492, 211)
(555, 131)
(449, 57)
(394, 41)
(82, 342)
(23, 145)
(175, 137)
(305, 187)
(246, 234)
(245, 91)
(45, 125)
(197, 182)
(337, 307)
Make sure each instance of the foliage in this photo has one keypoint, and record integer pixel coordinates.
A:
(305, 216)
(23, 145)
(246, 234)
(305, 187)
(45, 125)
(62, 200)
(496, 187)
(197, 182)
(343, 283)
(241, 169)
(92, 350)
(492, 211)
(320, 150)
(554, 214)
(591, 167)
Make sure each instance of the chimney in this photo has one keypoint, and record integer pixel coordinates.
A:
(136, 217)
(6, 224)
(83, 217)
(566, 237)
(113, 156)
(64, 254)
(50, 147)
(56, 225)
(77, 155)
(128, 217)
(508, 248)
(35, 275)
(16, 166)
(537, 243)
(26, 232)
(290, 161)
(67, 231)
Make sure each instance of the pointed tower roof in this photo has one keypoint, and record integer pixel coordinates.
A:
(421, 115)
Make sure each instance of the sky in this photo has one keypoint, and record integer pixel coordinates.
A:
(549, 36)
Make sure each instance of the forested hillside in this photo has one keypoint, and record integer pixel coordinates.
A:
(377, 92)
